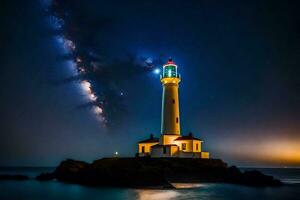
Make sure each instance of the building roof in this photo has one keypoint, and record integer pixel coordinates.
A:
(150, 140)
(160, 145)
(170, 62)
(187, 137)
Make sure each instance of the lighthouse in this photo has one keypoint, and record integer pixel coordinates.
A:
(171, 143)
(170, 120)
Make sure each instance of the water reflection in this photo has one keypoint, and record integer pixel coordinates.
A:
(157, 194)
(187, 185)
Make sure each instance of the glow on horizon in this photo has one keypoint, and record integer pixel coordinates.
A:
(270, 151)
(280, 151)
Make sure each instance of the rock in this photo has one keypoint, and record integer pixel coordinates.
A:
(45, 177)
(256, 178)
(250, 178)
(16, 177)
(71, 171)
(233, 175)
(154, 173)
(112, 172)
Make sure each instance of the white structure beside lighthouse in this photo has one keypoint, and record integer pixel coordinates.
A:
(171, 143)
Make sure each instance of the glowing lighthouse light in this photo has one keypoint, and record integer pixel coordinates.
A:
(169, 73)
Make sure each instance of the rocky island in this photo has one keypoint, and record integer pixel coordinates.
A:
(154, 173)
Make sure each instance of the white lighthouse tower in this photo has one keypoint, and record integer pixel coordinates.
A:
(170, 120)
(171, 143)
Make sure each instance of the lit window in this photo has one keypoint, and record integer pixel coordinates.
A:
(183, 145)
(170, 71)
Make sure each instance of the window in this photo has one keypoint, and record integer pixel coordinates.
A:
(173, 101)
(183, 146)
(170, 71)
(177, 120)
(165, 150)
(143, 149)
(197, 147)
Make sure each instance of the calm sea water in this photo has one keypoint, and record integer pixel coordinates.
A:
(53, 190)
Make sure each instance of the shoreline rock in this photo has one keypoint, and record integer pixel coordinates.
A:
(154, 173)
(45, 177)
(16, 177)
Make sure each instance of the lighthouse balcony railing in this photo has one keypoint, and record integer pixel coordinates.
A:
(166, 76)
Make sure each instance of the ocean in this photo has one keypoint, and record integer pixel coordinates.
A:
(54, 190)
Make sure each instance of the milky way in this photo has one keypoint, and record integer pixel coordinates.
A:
(100, 75)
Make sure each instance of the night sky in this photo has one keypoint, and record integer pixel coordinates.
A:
(239, 62)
